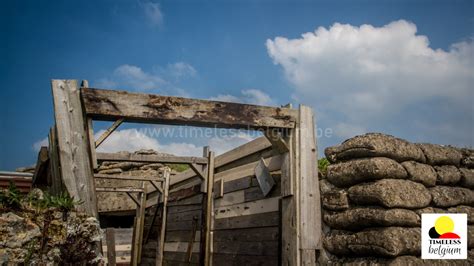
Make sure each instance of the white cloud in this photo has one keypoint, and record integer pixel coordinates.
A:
(127, 140)
(251, 96)
(160, 78)
(345, 130)
(153, 12)
(133, 139)
(181, 70)
(40, 143)
(364, 76)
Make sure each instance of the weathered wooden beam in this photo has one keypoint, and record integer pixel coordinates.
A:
(149, 108)
(129, 178)
(92, 146)
(133, 198)
(109, 131)
(130, 157)
(198, 171)
(73, 144)
(56, 180)
(206, 248)
(264, 178)
(110, 240)
(162, 237)
(310, 214)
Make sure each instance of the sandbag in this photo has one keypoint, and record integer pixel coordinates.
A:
(468, 158)
(467, 178)
(391, 193)
(375, 145)
(335, 200)
(421, 173)
(447, 175)
(364, 217)
(356, 171)
(385, 241)
(444, 196)
(464, 209)
(440, 155)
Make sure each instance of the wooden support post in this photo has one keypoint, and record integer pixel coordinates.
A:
(90, 130)
(310, 206)
(289, 203)
(206, 233)
(56, 180)
(73, 145)
(110, 240)
(189, 252)
(142, 221)
(162, 236)
(205, 153)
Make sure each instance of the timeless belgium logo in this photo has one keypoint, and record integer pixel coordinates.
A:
(444, 236)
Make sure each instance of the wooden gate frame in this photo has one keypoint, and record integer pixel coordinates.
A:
(75, 108)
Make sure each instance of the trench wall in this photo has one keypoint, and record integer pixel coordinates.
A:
(375, 190)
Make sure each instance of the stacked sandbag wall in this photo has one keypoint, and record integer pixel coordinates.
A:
(375, 190)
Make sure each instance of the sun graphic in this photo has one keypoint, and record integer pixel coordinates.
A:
(443, 229)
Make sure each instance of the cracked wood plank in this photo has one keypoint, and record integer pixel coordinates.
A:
(149, 108)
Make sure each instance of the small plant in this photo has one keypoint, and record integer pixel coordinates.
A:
(63, 201)
(323, 164)
(11, 197)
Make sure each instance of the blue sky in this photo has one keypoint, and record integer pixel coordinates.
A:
(407, 72)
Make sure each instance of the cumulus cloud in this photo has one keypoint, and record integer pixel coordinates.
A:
(152, 12)
(134, 77)
(135, 139)
(251, 96)
(362, 75)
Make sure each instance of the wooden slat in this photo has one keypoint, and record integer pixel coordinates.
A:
(130, 157)
(109, 131)
(92, 146)
(310, 214)
(273, 164)
(248, 221)
(247, 234)
(248, 208)
(224, 259)
(265, 180)
(254, 248)
(148, 108)
(110, 240)
(73, 145)
(276, 140)
(129, 178)
(114, 189)
(162, 237)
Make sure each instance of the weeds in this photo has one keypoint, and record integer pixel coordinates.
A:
(323, 164)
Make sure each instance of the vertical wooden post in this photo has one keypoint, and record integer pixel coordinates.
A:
(205, 153)
(73, 144)
(309, 188)
(138, 227)
(162, 236)
(206, 234)
(56, 181)
(133, 252)
(110, 240)
(290, 243)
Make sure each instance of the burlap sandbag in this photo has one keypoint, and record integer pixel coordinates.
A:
(356, 171)
(375, 145)
(440, 155)
(447, 175)
(398, 261)
(467, 178)
(364, 217)
(444, 196)
(335, 200)
(384, 241)
(391, 193)
(421, 173)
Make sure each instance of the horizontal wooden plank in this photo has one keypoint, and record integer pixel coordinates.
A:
(181, 257)
(266, 248)
(148, 108)
(181, 236)
(240, 260)
(184, 208)
(248, 221)
(114, 189)
(196, 199)
(128, 178)
(273, 164)
(180, 247)
(247, 208)
(242, 151)
(131, 157)
(184, 193)
(248, 234)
